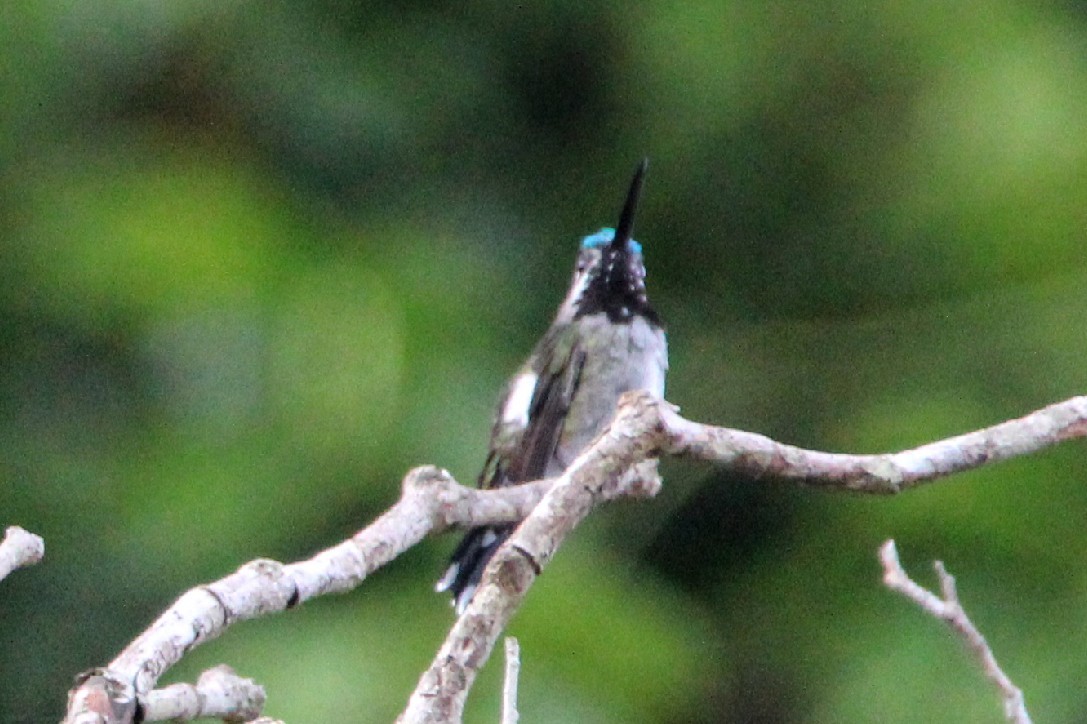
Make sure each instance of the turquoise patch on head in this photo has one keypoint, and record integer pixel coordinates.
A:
(603, 238)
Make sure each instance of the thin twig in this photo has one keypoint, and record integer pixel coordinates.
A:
(509, 687)
(947, 608)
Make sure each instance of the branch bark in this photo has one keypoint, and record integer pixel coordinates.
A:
(19, 548)
(645, 428)
(219, 693)
(622, 462)
(947, 608)
(881, 474)
(510, 714)
(633, 436)
(430, 501)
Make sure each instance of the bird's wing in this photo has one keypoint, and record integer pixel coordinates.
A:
(551, 399)
(524, 438)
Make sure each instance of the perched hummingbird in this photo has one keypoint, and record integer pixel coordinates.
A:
(604, 341)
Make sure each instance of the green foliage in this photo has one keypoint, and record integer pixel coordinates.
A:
(259, 259)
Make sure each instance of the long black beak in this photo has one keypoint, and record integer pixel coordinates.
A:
(625, 230)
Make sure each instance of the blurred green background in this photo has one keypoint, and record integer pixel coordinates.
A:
(259, 259)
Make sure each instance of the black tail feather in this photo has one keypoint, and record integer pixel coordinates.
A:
(468, 561)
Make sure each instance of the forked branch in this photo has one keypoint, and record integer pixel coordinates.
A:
(946, 607)
(645, 428)
(620, 463)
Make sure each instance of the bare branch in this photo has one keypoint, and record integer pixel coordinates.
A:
(430, 501)
(509, 688)
(947, 608)
(598, 473)
(645, 428)
(98, 698)
(19, 548)
(886, 473)
(218, 693)
(622, 462)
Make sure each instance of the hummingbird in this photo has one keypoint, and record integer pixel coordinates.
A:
(605, 340)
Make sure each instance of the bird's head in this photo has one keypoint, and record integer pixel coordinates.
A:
(609, 277)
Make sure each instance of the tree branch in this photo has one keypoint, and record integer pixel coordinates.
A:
(219, 693)
(644, 428)
(19, 548)
(947, 608)
(509, 685)
(885, 473)
(621, 462)
(632, 437)
(430, 501)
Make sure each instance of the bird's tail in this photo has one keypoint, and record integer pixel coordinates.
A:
(468, 561)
